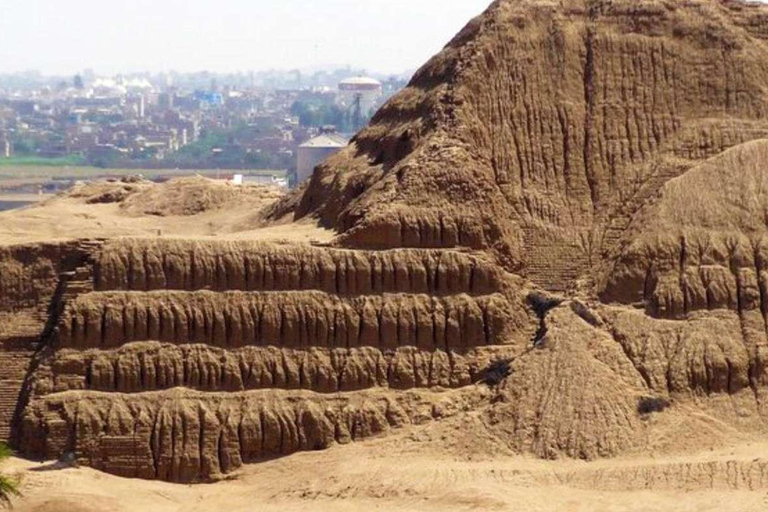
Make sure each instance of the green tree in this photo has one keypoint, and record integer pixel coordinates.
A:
(311, 115)
(298, 108)
(22, 146)
(9, 487)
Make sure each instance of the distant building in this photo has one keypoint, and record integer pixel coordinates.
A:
(368, 90)
(314, 151)
(209, 99)
(275, 178)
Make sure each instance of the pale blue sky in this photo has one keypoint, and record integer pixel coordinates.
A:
(64, 36)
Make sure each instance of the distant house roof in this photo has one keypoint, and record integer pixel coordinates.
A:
(326, 140)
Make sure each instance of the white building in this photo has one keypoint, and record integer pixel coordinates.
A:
(260, 179)
(314, 151)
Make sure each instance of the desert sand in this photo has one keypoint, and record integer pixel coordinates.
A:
(187, 207)
(411, 472)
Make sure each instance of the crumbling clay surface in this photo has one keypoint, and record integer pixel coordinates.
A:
(186, 437)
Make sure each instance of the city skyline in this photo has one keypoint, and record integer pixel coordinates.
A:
(227, 36)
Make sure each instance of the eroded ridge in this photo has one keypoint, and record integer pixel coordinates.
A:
(704, 245)
(144, 265)
(152, 366)
(286, 319)
(679, 273)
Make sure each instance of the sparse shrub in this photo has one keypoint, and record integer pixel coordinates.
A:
(649, 404)
(497, 371)
(9, 487)
(542, 302)
(68, 460)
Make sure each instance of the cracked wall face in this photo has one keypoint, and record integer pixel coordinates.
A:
(181, 360)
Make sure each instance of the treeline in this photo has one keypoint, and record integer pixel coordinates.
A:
(318, 115)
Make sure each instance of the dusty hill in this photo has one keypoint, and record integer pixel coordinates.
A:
(179, 197)
(552, 244)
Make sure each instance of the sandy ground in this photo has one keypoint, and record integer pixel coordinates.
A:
(385, 475)
(66, 217)
(451, 465)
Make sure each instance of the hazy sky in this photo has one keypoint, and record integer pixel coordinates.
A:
(111, 36)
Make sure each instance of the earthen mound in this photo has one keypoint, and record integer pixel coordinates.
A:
(178, 197)
(543, 126)
(192, 196)
(573, 395)
(109, 191)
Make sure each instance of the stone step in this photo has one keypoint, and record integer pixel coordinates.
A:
(14, 366)
(18, 330)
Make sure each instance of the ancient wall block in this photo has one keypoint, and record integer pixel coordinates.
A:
(152, 366)
(183, 436)
(299, 319)
(145, 265)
